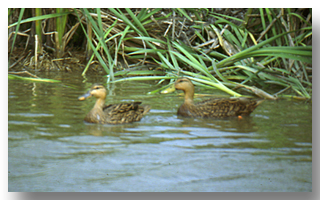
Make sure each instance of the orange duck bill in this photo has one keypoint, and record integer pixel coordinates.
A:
(85, 96)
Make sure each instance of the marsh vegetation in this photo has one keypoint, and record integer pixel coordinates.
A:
(257, 52)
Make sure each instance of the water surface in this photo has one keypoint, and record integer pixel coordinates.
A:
(51, 149)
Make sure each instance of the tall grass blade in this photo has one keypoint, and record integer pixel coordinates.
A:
(99, 34)
(61, 22)
(31, 19)
(17, 28)
(137, 22)
(39, 30)
(246, 53)
(121, 16)
(12, 76)
(96, 53)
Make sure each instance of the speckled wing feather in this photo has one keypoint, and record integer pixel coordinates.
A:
(124, 112)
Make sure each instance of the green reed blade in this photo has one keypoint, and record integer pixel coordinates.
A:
(17, 28)
(137, 22)
(12, 76)
(97, 54)
(31, 19)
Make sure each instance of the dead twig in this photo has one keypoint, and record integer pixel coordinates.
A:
(24, 72)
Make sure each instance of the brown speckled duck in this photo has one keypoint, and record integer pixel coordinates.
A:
(212, 108)
(113, 113)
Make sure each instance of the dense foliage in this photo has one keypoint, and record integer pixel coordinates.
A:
(235, 50)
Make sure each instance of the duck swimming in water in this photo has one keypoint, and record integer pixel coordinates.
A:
(113, 113)
(212, 108)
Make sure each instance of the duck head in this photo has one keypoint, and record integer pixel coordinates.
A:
(186, 86)
(97, 90)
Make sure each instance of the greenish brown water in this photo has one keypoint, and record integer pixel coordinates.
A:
(52, 149)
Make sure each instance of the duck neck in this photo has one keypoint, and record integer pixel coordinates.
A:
(188, 96)
(99, 104)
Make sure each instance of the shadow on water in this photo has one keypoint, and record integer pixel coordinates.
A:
(51, 148)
